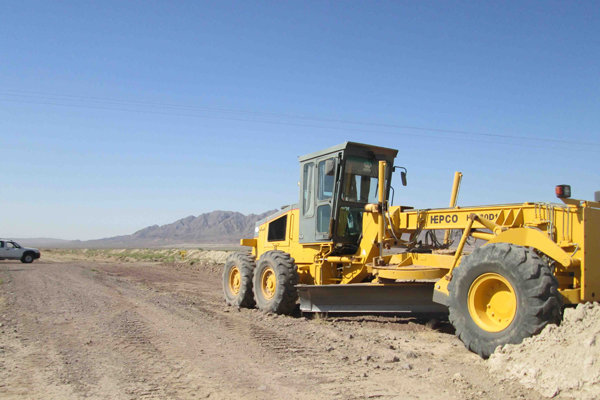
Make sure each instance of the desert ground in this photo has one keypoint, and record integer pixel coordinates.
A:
(74, 326)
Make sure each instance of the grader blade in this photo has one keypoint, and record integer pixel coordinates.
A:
(400, 298)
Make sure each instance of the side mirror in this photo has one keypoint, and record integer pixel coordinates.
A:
(330, 167)
(402, 174)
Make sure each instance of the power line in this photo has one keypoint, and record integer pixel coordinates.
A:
(100, 103)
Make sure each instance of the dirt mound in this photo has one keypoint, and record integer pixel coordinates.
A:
(561, 360)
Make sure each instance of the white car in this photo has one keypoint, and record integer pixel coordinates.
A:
(11, 250)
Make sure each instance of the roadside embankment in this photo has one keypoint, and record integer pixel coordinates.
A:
(178, 256)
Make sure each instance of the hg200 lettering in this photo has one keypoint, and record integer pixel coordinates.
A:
(453, 218)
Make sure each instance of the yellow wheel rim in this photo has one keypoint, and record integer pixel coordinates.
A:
(235, 280)
(268, 283)
(492, 302)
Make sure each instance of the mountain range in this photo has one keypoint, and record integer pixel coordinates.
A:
(211, 229)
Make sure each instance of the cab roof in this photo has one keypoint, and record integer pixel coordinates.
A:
(350, 145)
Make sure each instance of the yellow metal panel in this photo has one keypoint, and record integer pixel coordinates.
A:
(409, 273)
(441, 286)
(507, 215)
(248, 242)
(570, 296)
(590, 249)
(533, 238)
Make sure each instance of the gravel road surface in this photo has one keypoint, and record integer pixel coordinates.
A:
(106, 330)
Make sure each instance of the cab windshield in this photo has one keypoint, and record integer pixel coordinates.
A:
(359, 186)
(360, 180)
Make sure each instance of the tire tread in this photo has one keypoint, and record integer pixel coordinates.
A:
(286, 271)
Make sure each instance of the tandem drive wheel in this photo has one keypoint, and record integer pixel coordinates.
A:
(237, 280)
(275, 280)
(502, 293)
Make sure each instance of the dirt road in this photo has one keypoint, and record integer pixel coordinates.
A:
(127, 331)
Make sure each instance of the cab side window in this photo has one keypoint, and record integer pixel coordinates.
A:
(326, 179)
(307, 190)
(277, 229)
(323, 216)
(1, 244)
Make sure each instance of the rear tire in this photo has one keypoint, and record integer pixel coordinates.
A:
(275, 280)
(27, 258)
(237, 280)
(502, 293)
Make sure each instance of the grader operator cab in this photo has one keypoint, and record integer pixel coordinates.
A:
(332, 201)
(344, 248)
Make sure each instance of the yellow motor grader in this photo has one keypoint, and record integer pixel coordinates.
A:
(344, 248)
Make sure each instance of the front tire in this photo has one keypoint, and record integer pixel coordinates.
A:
(237, 280)
(27, 258)
(502, 293)
(275, 280)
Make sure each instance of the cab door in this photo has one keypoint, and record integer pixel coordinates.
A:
(12, 251)
(318, 188)
(325, 201)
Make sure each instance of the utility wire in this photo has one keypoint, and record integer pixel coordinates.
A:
(285, 115)
(107, 103)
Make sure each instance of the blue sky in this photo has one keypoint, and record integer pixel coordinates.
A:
(118, 115)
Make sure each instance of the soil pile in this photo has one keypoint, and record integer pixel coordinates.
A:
(561, 360)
